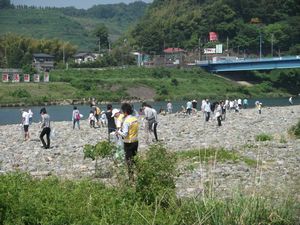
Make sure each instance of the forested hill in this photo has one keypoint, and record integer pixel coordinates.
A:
(180, 23)
(70, 24)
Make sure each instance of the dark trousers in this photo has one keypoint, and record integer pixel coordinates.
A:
(207, 115)
(219, 118)
(188, 111)
(130, 151)
(46, 131)
(155, 131)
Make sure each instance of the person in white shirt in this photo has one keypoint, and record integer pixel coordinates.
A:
(92, 119)
(291, 100)
(239, 102)
(207, 110)
(25, 123)
(169, 107)
(30, 116)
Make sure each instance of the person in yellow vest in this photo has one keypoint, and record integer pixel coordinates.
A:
(129, 132)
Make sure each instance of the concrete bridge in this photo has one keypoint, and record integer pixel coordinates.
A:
(237, 64)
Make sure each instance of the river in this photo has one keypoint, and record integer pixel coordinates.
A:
(12, 115)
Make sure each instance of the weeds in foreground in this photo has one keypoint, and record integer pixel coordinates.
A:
(263, 137)
(24, 200)
(294, 131)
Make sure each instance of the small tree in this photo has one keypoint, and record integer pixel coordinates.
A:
(103, 149)
(101, 33)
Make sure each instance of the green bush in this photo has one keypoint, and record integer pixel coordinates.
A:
(155, 175)
(21, 93)
(263, 137)
(103, 149)
(295, 130)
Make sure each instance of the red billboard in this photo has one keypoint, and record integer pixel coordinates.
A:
(26, 77)
(5, 77)
(213, 36)
(16, 78)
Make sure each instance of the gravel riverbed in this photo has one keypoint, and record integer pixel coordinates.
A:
(278, 160)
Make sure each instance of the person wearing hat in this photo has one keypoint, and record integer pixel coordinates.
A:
(45, 125)
(119, 117)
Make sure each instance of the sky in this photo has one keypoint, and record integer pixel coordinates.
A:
(80, 4)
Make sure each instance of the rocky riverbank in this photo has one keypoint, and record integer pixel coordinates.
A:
(275, 163)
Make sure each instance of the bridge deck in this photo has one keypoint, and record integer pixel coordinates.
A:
(251, 64)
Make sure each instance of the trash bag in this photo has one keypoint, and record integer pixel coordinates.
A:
(52, 133)
(117, 140)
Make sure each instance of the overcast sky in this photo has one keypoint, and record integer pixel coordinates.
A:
(80, 4)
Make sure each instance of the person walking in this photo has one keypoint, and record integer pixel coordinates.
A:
(76, 117)
(45, 125)
(219, 113)
(129, 132)
(169, 107)
(259, 106)
(207, 110)
(25, 123)
(92, 119)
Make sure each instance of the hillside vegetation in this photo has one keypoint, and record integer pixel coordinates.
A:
(70, 24)
(181, 23)
(145, 83)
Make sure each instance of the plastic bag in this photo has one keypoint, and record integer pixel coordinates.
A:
(52, 133)
(117, 140)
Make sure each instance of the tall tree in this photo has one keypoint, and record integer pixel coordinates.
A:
(101, 33)
(5, 4)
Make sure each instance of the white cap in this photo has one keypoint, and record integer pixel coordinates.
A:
(114, 112)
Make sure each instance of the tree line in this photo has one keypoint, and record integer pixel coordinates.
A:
(186, 24)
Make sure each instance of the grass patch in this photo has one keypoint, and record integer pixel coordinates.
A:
(166, 83)
(24, 200)
(221, 155)
(295, 130)
(263, 137)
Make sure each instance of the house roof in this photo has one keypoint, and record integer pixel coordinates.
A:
(173, 50)
(42, 55)
(83, 54)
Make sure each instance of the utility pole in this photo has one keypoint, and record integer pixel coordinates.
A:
(272, 42)
(64, 62)
(260, 44)
(99, 44)
(199, 43)
(227, 46)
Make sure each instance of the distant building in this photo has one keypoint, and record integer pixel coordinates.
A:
(85, 57)
(43, 62)
(174, 55)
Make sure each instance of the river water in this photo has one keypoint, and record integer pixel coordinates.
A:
(12, 115)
